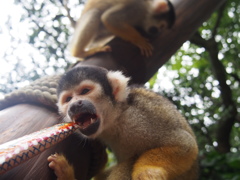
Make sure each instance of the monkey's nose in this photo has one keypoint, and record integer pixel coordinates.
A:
(79, 102)
(75, 106)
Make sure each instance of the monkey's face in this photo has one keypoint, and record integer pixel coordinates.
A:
(84, 105)
(89, 96)
(161, 16)
(155, 27)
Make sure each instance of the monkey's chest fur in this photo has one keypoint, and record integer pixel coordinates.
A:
(147, 121)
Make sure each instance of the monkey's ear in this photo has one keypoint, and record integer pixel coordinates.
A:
(119, 84)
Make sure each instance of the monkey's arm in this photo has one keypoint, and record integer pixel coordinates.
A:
(166, 163)
(115, 21)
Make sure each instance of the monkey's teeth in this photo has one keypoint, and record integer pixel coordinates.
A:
(84, 120)
(93, 120)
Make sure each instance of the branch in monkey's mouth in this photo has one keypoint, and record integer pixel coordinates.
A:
(87, 122)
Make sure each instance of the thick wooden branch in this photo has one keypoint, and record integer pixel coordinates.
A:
(23, 119)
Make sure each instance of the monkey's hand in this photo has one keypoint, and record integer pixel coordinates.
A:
(144, 45)
(61, 167)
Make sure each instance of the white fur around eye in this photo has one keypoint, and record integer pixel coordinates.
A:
(119, 84)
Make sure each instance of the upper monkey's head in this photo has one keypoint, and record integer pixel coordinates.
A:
(161, 16)
(87, 95)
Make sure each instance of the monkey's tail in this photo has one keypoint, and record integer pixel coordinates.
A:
(87, 26)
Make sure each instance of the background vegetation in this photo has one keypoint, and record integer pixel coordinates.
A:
(202, 78)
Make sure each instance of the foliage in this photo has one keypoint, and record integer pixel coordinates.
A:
(189, 79)
(199, 92)
(220, 166)
(39, 32)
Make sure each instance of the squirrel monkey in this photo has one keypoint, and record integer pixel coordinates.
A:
(101, 20)
(145, 131)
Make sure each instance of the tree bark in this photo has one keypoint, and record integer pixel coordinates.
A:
(23, 119)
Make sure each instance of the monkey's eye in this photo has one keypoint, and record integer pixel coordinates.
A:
(68, 99)
(84, 91)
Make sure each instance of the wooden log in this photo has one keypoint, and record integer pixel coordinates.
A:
(23, 119)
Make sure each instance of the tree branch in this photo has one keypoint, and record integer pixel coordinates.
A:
(219, 17)
(230, 110)
(65, 5)
(198, 40)
(235, 76)
(207, 134)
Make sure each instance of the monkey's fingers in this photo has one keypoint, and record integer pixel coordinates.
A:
(61, 167)
(52, 157)
(146, 49)
(144, 45)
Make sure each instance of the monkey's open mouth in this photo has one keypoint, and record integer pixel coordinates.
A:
(87, 122)
(85, 119)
